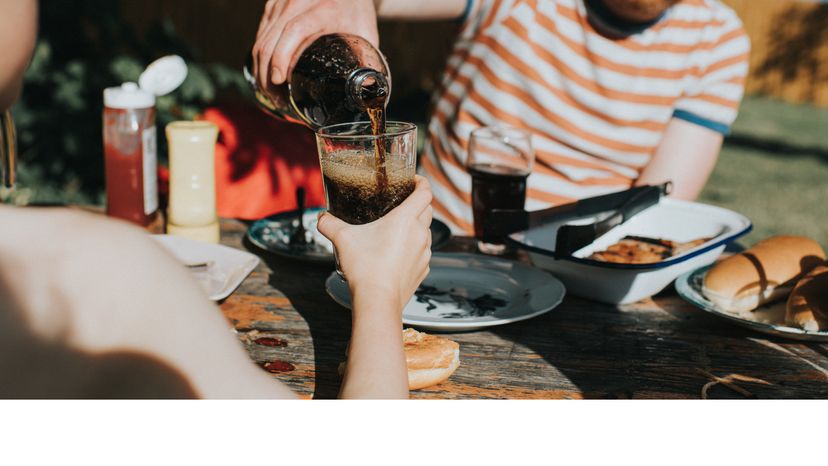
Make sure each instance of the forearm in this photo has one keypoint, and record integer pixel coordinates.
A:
(686, 156)
(376, 365)
(18, 28)
(421, 9)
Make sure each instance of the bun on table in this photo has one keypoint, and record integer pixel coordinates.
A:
(764, 273)
(430, 359)
(807, 306)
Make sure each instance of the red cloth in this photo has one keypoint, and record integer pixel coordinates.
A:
(260, 162)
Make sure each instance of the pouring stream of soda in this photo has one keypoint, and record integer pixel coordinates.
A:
(375, 96)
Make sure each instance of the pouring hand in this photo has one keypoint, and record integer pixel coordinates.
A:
(289, 25)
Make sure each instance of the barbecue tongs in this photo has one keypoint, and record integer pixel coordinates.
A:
(618, 207)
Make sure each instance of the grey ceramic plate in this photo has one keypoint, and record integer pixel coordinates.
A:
(469, 292)
(766, 319)
(273, 234)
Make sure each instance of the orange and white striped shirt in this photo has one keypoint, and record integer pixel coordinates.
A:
(596, 107)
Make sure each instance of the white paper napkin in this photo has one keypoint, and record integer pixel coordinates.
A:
(226, 267)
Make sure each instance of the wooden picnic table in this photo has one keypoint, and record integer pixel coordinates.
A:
(657, 348)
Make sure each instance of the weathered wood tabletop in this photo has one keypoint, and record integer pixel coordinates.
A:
(657, 348)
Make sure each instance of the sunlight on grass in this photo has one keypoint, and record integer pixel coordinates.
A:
(781, 191)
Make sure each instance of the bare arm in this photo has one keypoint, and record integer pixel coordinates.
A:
(108, 313)
(422, 9)
(288, 26)
(91, 307)
(384, 261)
(686, 156)
(18, 29)
(376, 365)
(108, 302)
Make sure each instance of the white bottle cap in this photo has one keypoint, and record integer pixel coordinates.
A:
(164, 75)
(128, 95)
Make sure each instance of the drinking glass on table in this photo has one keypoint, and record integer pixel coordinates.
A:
(366, 175)
(500, 160)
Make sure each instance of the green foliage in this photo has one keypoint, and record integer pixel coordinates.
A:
(83, 48)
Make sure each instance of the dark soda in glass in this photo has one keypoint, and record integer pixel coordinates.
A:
(354, 192)
(495, 187)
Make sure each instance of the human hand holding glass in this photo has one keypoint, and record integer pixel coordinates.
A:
(285, 26)
(389, 256)
(366, 175)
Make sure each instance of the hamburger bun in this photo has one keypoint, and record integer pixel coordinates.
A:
(762, 274)
(430, 359)
(808, 304)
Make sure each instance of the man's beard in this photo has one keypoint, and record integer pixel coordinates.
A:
(622, 18)
(639, 11)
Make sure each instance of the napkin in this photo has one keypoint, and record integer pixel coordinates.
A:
(218, 269)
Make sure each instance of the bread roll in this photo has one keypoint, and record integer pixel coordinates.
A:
(808, 303)
(762, 274)
(430, 359)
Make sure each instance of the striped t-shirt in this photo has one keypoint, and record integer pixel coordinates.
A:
(596, 107)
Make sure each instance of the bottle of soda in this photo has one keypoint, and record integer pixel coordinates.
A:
(338, 78)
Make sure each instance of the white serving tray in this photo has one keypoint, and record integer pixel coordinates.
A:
(626, 283)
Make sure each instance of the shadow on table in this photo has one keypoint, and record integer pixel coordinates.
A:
(656, 349)
(303, 283)
(652, 349)
(34, 365)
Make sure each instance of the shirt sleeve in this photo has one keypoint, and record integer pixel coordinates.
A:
(717, 82)
(476, 15)
(466, 12)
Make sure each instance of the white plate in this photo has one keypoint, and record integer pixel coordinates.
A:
(228, 266)
(768, 319)
(626, 283)
(469, 292)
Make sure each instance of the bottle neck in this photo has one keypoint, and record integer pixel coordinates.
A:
(368, 88)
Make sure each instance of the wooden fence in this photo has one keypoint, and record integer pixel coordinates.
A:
(789, 54)
(789, 57)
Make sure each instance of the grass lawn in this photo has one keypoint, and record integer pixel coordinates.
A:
(774, 170)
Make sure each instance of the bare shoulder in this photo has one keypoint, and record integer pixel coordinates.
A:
(58, 233)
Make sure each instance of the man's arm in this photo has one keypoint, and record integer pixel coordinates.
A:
(422, 9)
(686, 156)
(287, 26)
(18, 30)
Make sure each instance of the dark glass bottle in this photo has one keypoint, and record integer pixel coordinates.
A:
(338, 78)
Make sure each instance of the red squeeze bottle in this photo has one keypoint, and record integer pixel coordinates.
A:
(130, 154)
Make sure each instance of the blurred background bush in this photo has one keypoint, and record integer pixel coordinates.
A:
(82, 48)
(773, 168)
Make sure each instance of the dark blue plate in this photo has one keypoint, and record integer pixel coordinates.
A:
(273, 234)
